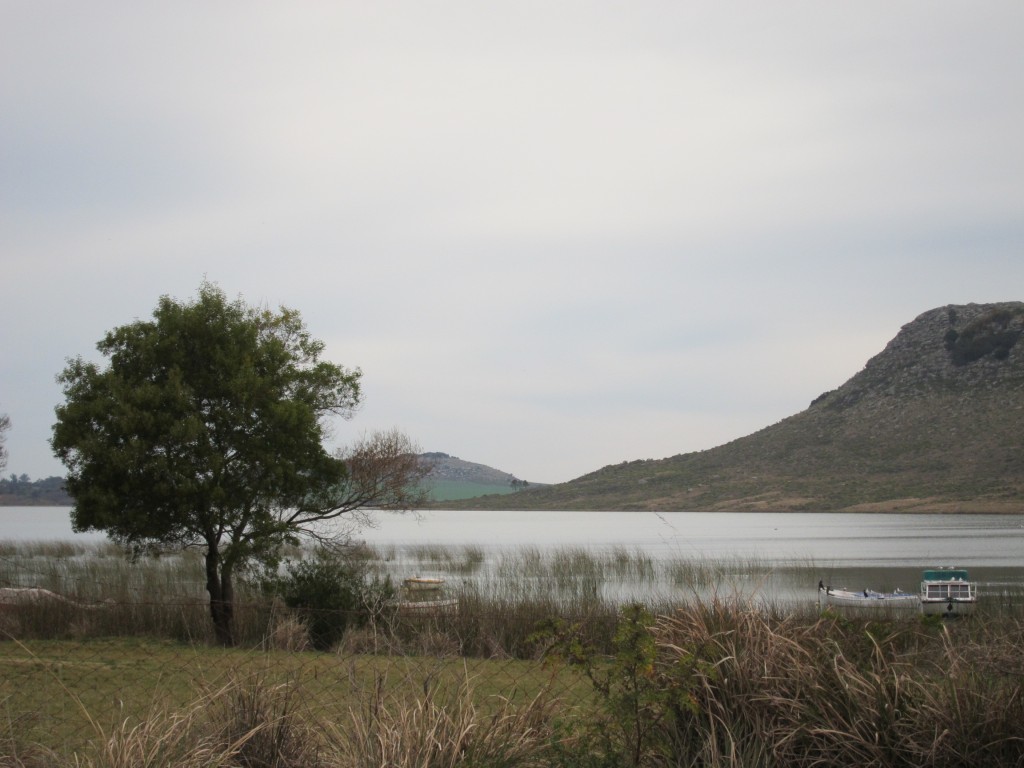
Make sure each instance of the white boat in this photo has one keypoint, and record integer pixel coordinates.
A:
(947, 592)
(868, 599)
(428, 607)
(423, 597)
(423, 584)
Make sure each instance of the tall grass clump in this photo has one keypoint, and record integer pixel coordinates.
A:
(242, 724)
(435, 730)
(469, 559)
(252, 721)
(724, 684)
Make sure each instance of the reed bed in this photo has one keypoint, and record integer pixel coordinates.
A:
(501, 594)
(467, 559)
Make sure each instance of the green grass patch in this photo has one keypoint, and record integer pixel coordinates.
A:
(55, 693)
(452, 490)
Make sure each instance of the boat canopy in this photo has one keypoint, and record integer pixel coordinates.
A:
(947, 574)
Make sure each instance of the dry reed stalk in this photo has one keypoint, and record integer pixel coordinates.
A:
(288, 633)
(424, 732)
(788, 692)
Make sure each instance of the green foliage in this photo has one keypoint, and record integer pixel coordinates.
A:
(636, 693)
(331, 592)
(209, 415)
(203, 429)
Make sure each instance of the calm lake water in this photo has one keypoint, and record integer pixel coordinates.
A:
(857, 550)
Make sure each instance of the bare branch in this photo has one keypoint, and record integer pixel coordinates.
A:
(384, 471)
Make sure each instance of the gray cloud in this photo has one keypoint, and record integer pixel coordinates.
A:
(553, 235)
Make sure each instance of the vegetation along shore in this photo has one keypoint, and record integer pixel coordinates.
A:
(535, 667)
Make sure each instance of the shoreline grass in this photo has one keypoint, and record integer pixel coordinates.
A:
(500, 592)
(723, 673)
(719, 683)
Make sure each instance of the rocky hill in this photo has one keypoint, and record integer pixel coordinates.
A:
(934, 422)
(445, 467)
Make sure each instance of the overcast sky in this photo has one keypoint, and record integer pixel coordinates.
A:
(553, 235)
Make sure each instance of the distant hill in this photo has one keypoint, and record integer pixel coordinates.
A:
(452, 478)
(449, 478)
(934, 422)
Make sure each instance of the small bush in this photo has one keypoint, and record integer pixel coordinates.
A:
(330, 593)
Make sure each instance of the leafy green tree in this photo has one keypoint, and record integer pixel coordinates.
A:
(205, 429)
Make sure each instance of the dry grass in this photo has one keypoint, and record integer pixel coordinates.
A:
(434, 730)
(251, 723)
(792, 692)
(729, 685)
(245, 723)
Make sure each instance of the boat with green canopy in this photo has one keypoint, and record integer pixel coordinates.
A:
(948, 592)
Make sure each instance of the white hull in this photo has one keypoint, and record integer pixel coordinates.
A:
(423, 584)
(870, 601)
(948, 607)
(428, 607)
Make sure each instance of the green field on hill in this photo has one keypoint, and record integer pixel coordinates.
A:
(450, 490)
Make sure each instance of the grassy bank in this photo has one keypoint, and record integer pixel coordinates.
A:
(540, 665)
(716, 684)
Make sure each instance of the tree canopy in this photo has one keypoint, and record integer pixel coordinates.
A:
(206, 428)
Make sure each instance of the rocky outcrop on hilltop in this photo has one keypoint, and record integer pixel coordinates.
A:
(967, 348)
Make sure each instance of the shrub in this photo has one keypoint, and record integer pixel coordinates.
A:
(329, 593)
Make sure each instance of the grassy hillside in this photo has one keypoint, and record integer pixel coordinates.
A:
(934, 422)
(449, 490)
(451, 478)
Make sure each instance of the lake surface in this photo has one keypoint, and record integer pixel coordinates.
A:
(854, 539)
(857, 550)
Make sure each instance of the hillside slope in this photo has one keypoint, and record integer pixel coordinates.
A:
(934, 422)
(452, 478)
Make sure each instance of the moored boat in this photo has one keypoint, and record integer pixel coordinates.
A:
(428, 607)
(423, 584)
(424, 597)
(868, 599)
(947, 592)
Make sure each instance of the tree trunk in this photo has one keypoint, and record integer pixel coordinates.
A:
(222, 608)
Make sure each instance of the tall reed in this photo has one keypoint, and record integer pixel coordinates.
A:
(782, 691)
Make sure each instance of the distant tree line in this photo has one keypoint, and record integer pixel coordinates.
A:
(22, 491)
